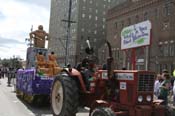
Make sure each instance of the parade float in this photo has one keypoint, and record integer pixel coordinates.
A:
(33, 83)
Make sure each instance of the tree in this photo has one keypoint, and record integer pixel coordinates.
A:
(14, 62)
(5, 63)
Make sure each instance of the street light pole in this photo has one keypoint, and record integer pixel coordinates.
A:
(69, 22)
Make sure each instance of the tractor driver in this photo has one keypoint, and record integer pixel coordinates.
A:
(39, 36)
(88, 71)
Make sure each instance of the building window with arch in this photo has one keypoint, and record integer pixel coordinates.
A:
(160, 49)
(166, 50)
(167, 8)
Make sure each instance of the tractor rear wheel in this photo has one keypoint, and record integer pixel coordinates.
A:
(64, 96)
(102, 111)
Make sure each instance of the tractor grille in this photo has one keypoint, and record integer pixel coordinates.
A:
(145, 82)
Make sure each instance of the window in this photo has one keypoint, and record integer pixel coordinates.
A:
(90, 1)
(95, 39)
(172, 49)
(166, 50)
(103, 26)
(156, 13)
(137, 18)
(96, 4)
(96, 11)
(95, 32)
(96, 25)
(84, 8)
(129, 21)
(104, 6)
(90, 9)
(122, 24)
(90, 16)
(104, 13)
(104, 19)
(161, 50)
(167, 8)
(83, 15)
(116, 25)
(145, 16)
(82, 30)
(96, 18)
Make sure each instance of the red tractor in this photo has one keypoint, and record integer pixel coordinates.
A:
(106, 92)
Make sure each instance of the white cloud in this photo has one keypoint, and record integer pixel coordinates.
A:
(16, 19)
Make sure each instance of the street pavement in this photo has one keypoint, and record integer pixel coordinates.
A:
(10, 105)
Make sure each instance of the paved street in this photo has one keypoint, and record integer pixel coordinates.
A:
(10, 105)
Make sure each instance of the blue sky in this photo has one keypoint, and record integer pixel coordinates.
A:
(16, 19)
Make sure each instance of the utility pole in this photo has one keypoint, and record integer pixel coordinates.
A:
(30, 44)
(69, 22)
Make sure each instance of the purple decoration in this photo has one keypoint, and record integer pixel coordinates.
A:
(31, 83)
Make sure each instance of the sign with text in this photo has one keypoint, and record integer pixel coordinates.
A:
(136, 35)
(125, 76)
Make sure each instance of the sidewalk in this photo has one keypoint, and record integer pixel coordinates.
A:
(3, 82)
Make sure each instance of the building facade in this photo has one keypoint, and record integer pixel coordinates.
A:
(161, 52)
(90, 23)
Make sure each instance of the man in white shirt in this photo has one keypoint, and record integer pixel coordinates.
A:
(157, 85)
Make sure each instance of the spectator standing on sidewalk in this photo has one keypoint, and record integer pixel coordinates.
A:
(0, 75)
(10, 76)
(165, 88)
(157, 85)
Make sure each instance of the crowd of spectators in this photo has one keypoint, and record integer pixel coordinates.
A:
(10, 73)
(164, 86)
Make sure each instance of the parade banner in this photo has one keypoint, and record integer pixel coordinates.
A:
(136, 35)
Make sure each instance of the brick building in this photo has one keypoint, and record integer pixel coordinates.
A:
(161, 53)
(90, 18)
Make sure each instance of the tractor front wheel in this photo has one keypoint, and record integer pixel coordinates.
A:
(64, 96)
(102, 111)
